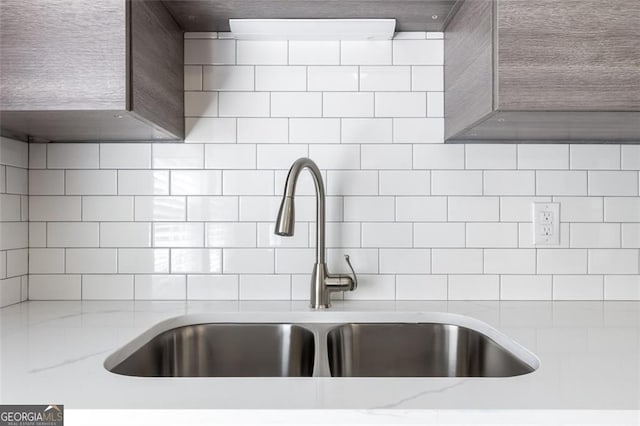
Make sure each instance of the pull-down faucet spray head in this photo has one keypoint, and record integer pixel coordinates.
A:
(285, 223)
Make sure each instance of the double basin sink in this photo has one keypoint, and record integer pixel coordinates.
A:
(320, 350)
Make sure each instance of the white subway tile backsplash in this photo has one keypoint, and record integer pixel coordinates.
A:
(143, 182)
(561, 183)
(211, 209)
(107, 287)
(621, 209)
(473, 209)
(254, 182)
(503, 182)
(365, 52)
(262, 130)
(243, 104)
(401, 204)
(230, 156)
(387, 235)
(125, 156)
(421, 287)
(362, 209)
(577, 287)
(281, 78)
(549, 156)
(160, 209)
(73, 156)
(143, 260)
(347, 104)
(611, 261)
(444, 182)
(421, 209)
(298, 104)
(160, 287)
(91, 182)
(591, 157)
(474, 287)
(196, 182)
(580, 209)
(337, 78)
(209, 51)
(501, 156)
(254, 52)
(418, 52)
(124, 234)
(622, 287)
(212, 287)
(594, 235)
(385, 79)
(249, 261)
(72, 234)
(631, 235)
(280, 156)
(367, 130)
(52, 208)
(630, 157)
(210, 130)
(456, 261)
(562, 261)
(55, 287)
(314, 130)
(405, 182)
(265, 287)
(613, 183)
(314, 52)
(46, 182)
(525, 287)
(400, 104)
(439, 235)
(196, 261)
(418, 130)
(382, 157)
(231, 235)
(172, 234)
(228, 78)
(91, 261)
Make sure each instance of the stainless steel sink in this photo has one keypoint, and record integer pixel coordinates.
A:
(418, 350)
(222, 350)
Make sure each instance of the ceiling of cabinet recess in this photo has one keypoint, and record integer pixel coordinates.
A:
(410, 15)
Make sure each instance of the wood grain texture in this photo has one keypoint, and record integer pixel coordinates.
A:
(568, 55)
(79, 126)
(50, 63)
(156, 67)
(468, 70)
(213, 15)
(560, 126)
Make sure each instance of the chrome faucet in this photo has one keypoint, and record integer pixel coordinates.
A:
(322, 282)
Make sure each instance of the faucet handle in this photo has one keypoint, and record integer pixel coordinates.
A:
(355, 277)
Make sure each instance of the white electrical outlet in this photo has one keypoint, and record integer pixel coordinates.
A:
(546, 223)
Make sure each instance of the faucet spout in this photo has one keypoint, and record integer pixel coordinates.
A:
(322, 283)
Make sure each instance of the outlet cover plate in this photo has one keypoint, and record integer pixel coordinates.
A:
(546, 224)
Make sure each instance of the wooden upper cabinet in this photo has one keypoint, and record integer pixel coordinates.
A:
(90, 70)
(543, 70)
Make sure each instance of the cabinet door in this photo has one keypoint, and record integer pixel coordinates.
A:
(578, 55)
(49, 62)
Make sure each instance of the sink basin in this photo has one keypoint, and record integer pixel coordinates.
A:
(222, 350)
(418, 350)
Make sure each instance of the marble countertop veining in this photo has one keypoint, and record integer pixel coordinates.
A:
(589, 356)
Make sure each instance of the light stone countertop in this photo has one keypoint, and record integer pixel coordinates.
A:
(589, 356)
